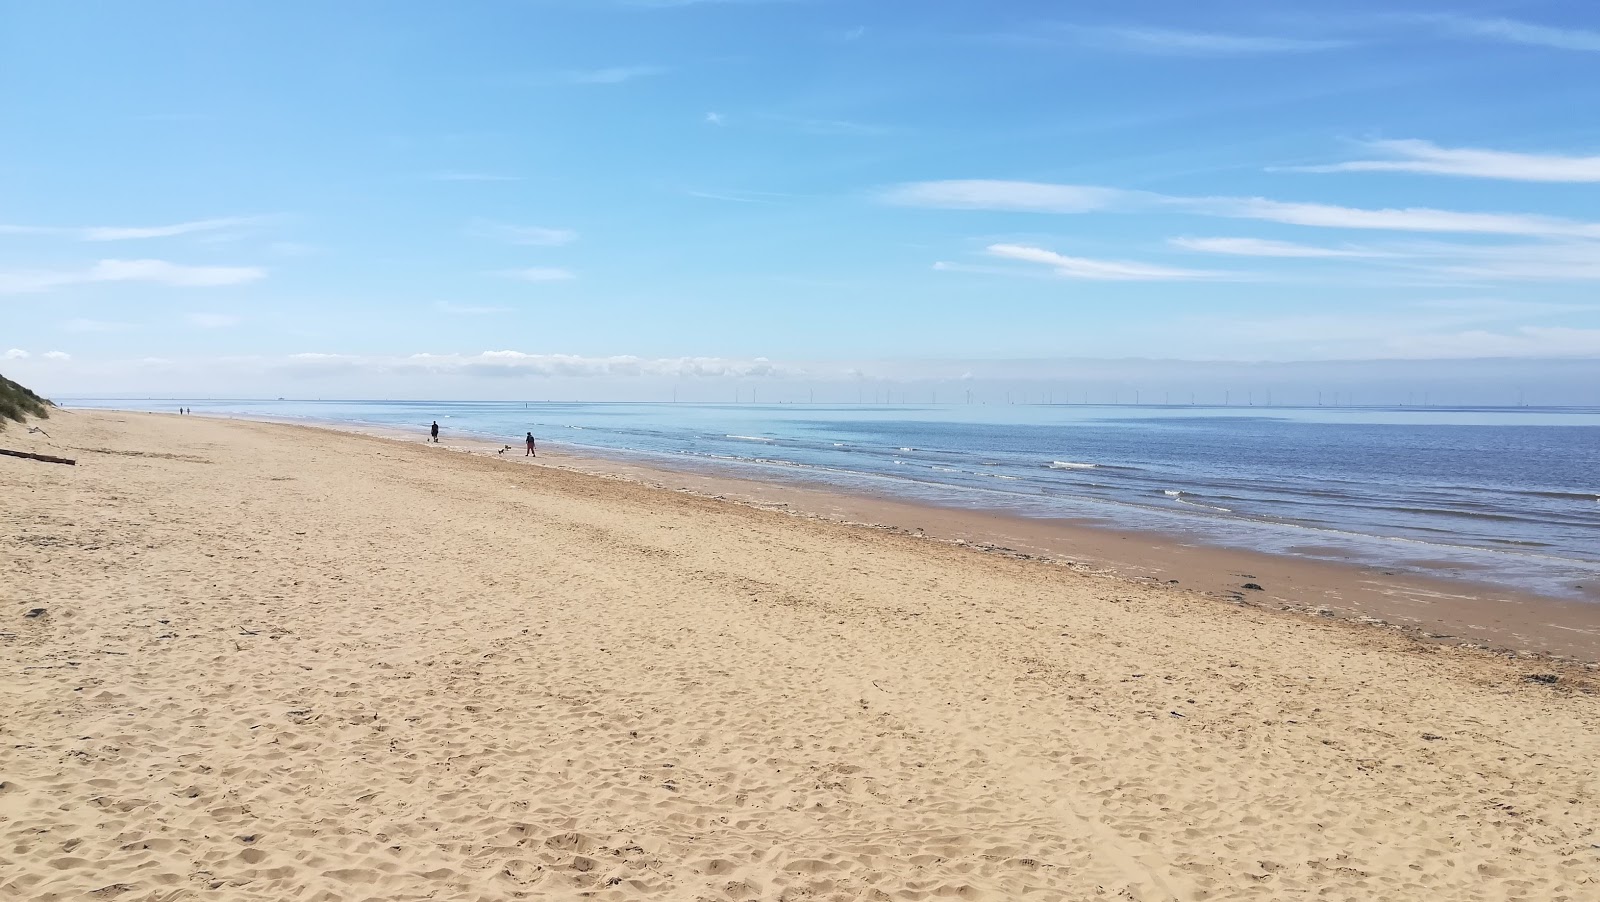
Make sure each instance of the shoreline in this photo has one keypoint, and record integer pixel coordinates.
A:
(1449, 609)
(289, 662)
(1471, 556)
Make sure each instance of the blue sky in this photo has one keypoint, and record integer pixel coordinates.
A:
(241, 197)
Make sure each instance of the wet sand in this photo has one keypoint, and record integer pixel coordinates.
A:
(1444, 603)
(282, 663)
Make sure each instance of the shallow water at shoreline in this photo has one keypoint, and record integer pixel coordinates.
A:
(1507, 494)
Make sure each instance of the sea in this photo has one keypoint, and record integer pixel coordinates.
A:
(1510, 496)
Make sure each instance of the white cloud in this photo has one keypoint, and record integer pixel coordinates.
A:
(95, 325)
(212, 320)
(1430, 329)
(1490, 309)
(856, 33)
(995, 194)
(742, 197)
(452, 176)
(1099, 270)
(1525, 341)
(7, 229)
(1554, 260)
(1436, 262)
(468, 309)
(112, 233)
(715, 119)
(129, 233)
(673, 4)
(17, 354)
(177, 274)
(973, 269)
(165, 273)
(1444, 330)
(830, 126)
(57, 355)
(510, 363)
(613, 75)
(1170, 42)
(539, 236)
(156, 271)
(1429, 158)
(1516, 32)
(539, 274)
(1040, 197)
(1560, 261)
(1410, 219)
(1262, 247)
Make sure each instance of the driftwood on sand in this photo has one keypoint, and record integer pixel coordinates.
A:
(44, 457)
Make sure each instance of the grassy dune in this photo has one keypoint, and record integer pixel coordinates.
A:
(18, 403)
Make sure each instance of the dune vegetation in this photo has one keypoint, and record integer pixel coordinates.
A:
(18, 402)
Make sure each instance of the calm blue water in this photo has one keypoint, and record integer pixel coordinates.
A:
(1512, 495)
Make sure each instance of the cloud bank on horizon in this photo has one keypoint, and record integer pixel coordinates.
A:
(874, 183)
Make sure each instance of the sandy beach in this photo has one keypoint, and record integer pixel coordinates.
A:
(266, 662)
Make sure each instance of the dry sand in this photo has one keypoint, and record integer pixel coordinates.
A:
(278, 663)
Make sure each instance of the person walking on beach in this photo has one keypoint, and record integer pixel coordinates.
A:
(435, 432)
(532, 448)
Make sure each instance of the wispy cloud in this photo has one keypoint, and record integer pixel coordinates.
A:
(159, 272)
(56, 355)
(1429, 158)
(537, 236)
(212, 320)
(130, 233)
(674, 4)
(291, 249)
(177, 274)
(511, 364)
(469, 309)
(1172, 42)
(1413, 335)
(453, 176)
(715, 119)
(1408, 219)
(611, 75)
(984, 269)
(1036, 197)
(1441, 328)
(1517, 32)
(16, 354)
(114, 233)
(1262, 247)
(1523, 341)
(539, 274)
(843, 127)
(1552, 260)
(1498, 309)
(95, 325)
(993, 194)
(1562, 261)
(1098, 270)
(740, 197)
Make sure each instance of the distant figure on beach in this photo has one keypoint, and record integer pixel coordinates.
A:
(435, 432)
(532, 448)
